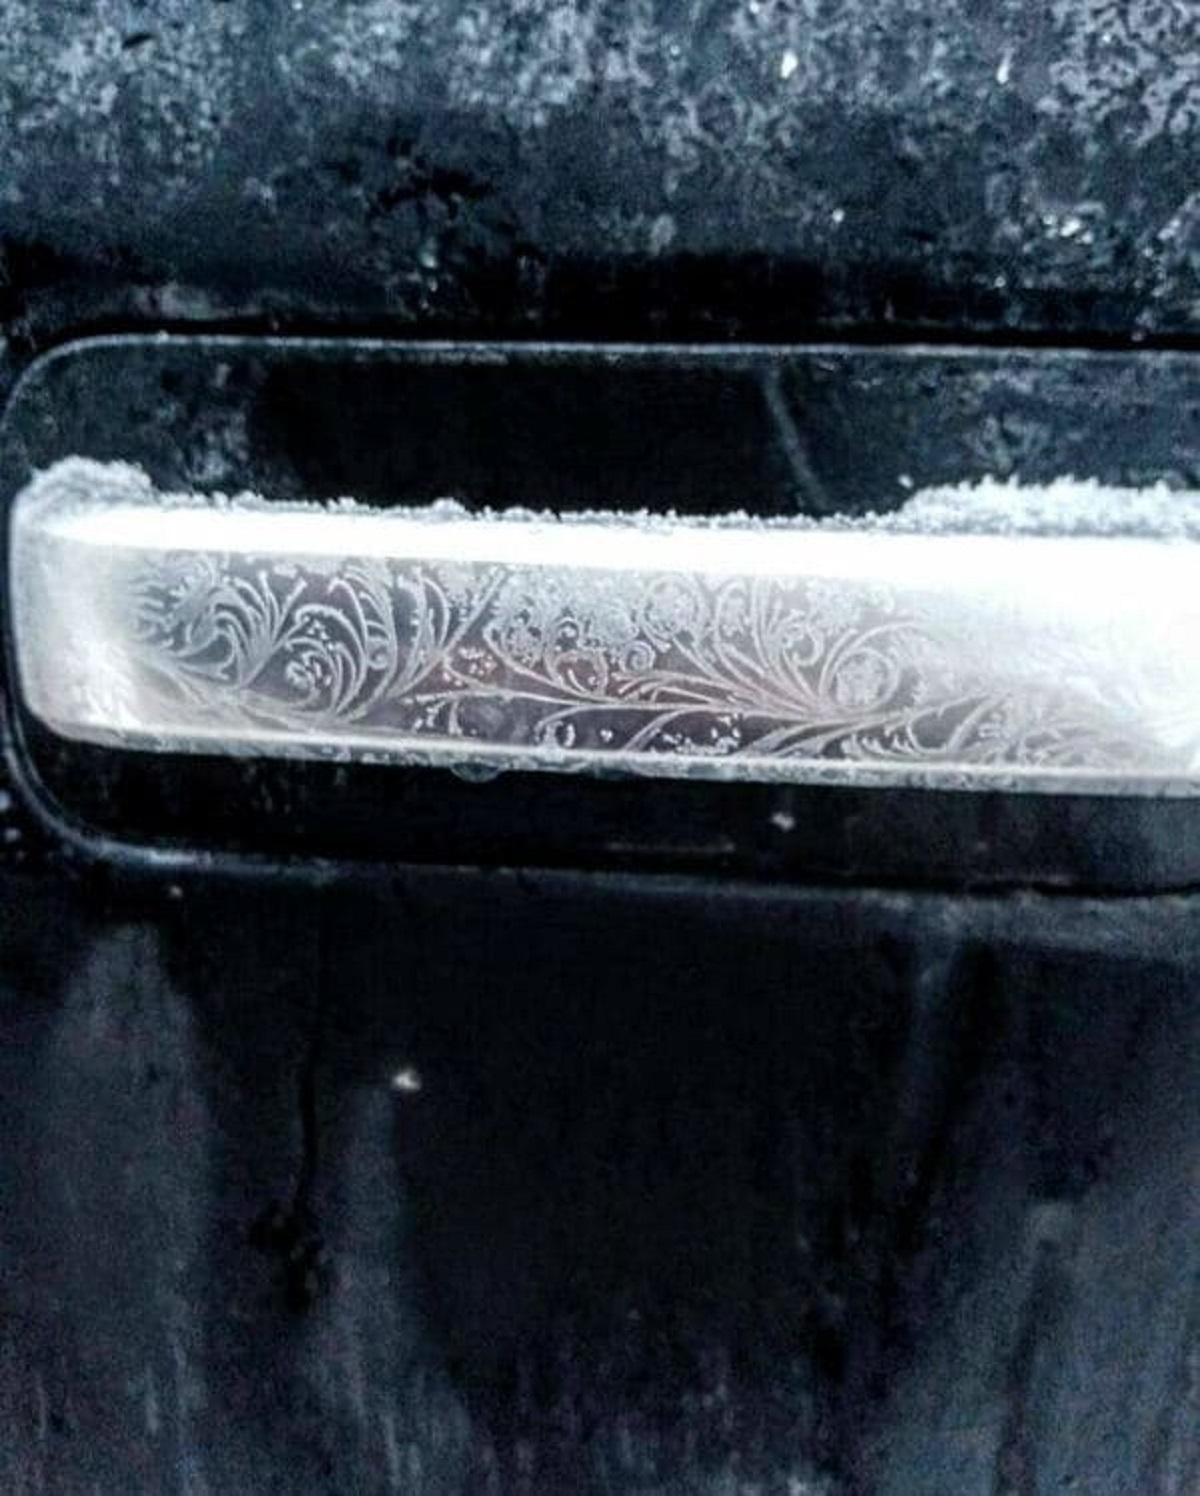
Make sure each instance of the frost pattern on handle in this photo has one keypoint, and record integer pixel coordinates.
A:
(837, 662)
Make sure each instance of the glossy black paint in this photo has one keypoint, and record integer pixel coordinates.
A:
(704, 1188)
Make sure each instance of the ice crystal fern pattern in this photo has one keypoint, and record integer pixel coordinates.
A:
(578, 666)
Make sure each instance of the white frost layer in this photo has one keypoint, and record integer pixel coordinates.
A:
(102, 502)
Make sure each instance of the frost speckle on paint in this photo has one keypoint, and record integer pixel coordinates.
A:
(166, 100)
(1135, 61)
(369, 46)
(662, 233)
(524, 61)
(583, 126)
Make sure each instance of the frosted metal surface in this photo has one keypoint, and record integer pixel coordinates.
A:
(1044, 639)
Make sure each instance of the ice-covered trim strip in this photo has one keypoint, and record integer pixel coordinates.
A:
(853, 655)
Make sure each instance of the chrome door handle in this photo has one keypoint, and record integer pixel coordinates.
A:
(949, 646)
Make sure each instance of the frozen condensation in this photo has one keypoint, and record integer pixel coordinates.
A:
(1030, 637)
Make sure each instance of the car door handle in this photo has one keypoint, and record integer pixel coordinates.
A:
(1023, 640)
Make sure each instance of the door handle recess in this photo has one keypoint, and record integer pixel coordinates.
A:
(1017, 639)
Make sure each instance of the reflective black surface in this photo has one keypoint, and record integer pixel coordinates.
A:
(452, 1183)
